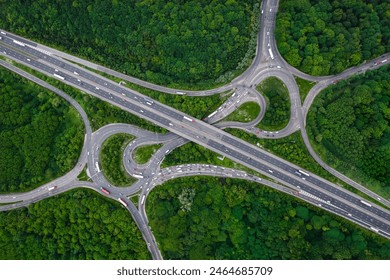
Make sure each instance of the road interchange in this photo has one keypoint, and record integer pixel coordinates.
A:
(311, 186)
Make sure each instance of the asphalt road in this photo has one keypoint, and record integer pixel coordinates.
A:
(267, 62)
(201, 133)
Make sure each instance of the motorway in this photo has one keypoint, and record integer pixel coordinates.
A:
(199, 132)
(305, 185)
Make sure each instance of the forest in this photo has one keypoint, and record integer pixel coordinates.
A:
(349, 126)
(41, 135)
(111, 158)
(277, 113)
(322, 37)
(78, 225)
(217, 218)
(194, 42)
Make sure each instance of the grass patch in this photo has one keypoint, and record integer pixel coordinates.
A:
(278, 104)
(304, 87)
(142, 154)
(135, 199)
(83, 175)
(112, 160)
(245, 113)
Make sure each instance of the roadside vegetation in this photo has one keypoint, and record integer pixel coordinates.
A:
(77, 225)
(326, 37)
(348, 124)
(293, 149)
(247, 112)
(210, 218)
(100, 113)
(192, 153)
(304, 87)
(41, 135)
(278, 104)
(197, 106)
(83, 176)
(111, 158)
(192, 44)
(143, 154)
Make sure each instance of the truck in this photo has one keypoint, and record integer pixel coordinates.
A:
(19, 43)
(366, 203)
(188, 119)
(212, 114)
(143, 199)
(180, 93)
(122, 202)
(270, 53)
(52, 188)
(97, 166)
(303, 172)
(374, 229)
(138, 176)
(104, 191)
(58, 76)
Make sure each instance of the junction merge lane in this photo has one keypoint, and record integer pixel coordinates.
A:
(144, 112)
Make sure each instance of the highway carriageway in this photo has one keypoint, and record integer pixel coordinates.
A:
(166, 115)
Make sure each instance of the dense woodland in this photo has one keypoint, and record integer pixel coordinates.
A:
(211, 218)
(111, 158)
(166, 42)
(349, 125)
(277, 113)
(41, 135)
(77, 225)
(323, 37)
